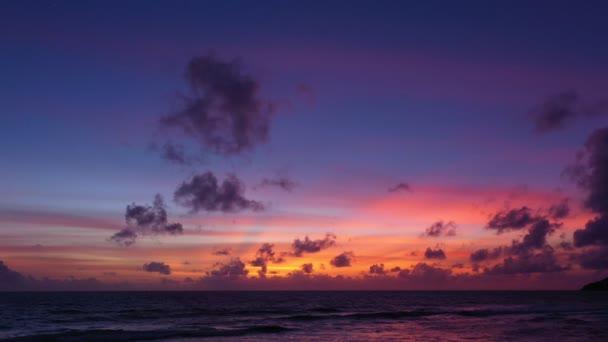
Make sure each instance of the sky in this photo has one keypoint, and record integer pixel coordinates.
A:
(303, 145)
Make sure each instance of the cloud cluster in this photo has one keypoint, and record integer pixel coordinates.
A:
(426, 273)
(342, 260)
(513, 219)
(146, 220)
(438, 254)
(532, 253)
(264, 255)
(159, 267)
(400, 187)
(377, 269)
(223, 251)
(307, 268)
(204, 193)
(560, 210)
(441, 228)
(544, 262)
(9, 278)
(562, 108)
(591, 174)
(299, 247)
(281, 182)
(224, 111)
(233, 269)
(484, 254)
(175, 153)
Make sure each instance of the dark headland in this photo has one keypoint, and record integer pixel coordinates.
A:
(601, 285)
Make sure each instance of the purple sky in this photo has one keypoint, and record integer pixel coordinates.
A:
(476, 107)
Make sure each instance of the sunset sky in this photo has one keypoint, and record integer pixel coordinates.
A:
(303, 145)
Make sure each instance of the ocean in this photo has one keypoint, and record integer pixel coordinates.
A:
(305, 316)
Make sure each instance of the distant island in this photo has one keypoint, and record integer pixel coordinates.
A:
(601, 285)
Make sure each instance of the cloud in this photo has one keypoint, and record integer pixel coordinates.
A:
(440, 228)
(264, 255)
(224, 251)
(146, 220)
(307, 268)
(159, 267)
(126, 237)
(591, 174)
(424, 273)
(300, 247)
(560, 210)
(377, 269)
(342, 260)
(536, 238)
(594, 233)
(224, 111)
(400, 187)
(280, 182)
(543, 262)
(434, 254)
(204, 193)
(234, 268)
(594, 259)
(485, 254)
(8, 278)
(562, 108)
(174, 153)
(395, 269)
(512, 219)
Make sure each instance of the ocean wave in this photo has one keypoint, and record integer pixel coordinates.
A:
(389, 315)
(120, 335)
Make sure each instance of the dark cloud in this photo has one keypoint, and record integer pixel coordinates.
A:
(174, 153)
(159, 267)
(434, 254)
(204, 193)
(280, 182)
(395, 269)
(264, 255)
(591, 171)
(556, 111)
(594, 259)
(486, 254)
(458, 265)
(512, 219)
(559, 109)
(400, 187)
(125, 237)
(440, 228)
(423, 272)
(594, 233)
(307, 268)
(560, 210)
(8, 278)
(146, 220)
(342, 260)
(566, 245)
(543, 262)
(223, 111)
(536, 238)
(234, 268)
(377, 269)
(300, 247)
(591, 174)
(225, 251)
